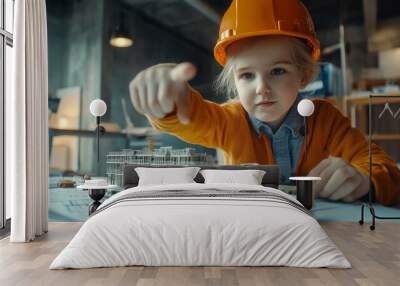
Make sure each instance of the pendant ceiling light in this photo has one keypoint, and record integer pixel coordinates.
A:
(120, 38)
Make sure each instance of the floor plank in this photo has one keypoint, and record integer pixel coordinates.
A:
(375, 257)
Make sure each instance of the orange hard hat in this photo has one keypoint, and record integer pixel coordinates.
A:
(251, 18)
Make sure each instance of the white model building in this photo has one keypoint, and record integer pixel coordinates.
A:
(116, 161)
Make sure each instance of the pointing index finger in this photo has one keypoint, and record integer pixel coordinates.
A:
(183, 72)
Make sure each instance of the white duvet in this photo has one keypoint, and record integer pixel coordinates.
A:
(192, 231)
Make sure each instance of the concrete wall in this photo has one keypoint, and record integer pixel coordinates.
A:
(57, 46)
(75, 48)
(75, 42)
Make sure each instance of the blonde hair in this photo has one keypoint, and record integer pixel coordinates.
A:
(301, 56)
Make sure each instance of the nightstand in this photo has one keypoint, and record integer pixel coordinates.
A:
(304, 190)
(96, 193)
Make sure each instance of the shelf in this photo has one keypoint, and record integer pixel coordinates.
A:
(91, 133)
(353, 105)
(364, 100)
(383, 137)
(356, 108)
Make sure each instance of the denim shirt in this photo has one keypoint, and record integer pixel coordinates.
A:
(286, 141)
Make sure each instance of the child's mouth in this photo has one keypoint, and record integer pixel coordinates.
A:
(266, 103)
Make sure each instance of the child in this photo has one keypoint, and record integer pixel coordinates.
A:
(269, 51)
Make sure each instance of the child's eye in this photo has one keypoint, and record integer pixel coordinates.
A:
(246, 76)
(278, 71)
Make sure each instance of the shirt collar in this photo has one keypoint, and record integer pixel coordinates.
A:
(293, 122)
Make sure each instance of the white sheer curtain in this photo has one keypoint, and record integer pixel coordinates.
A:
(27, 124)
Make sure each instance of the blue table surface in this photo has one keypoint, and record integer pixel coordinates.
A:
(70, 204)
(324, 210)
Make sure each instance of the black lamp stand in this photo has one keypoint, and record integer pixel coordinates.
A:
(305, 138)
(97, 194)
(369, 204)
(100, 131)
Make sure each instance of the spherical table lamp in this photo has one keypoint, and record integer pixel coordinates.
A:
(305, 107)
(98, 108)
(304, 184)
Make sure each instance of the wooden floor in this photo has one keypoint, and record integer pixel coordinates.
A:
(375, 257)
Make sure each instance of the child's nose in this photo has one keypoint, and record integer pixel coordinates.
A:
(263, 87)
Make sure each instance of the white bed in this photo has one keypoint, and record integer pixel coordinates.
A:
(269, 228)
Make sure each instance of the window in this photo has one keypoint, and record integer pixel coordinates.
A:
(6, 62)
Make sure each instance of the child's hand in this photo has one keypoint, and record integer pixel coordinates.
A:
(156, 90)
(339, 180)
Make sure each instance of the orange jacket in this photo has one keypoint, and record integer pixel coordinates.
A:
(226, 126)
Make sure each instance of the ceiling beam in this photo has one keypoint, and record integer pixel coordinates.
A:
(370, 8)
(172, 32)
(205, 9)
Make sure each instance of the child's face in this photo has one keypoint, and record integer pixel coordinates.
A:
(266, 78)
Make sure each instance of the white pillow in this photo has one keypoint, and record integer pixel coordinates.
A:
(248, 177)
(163, 176)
